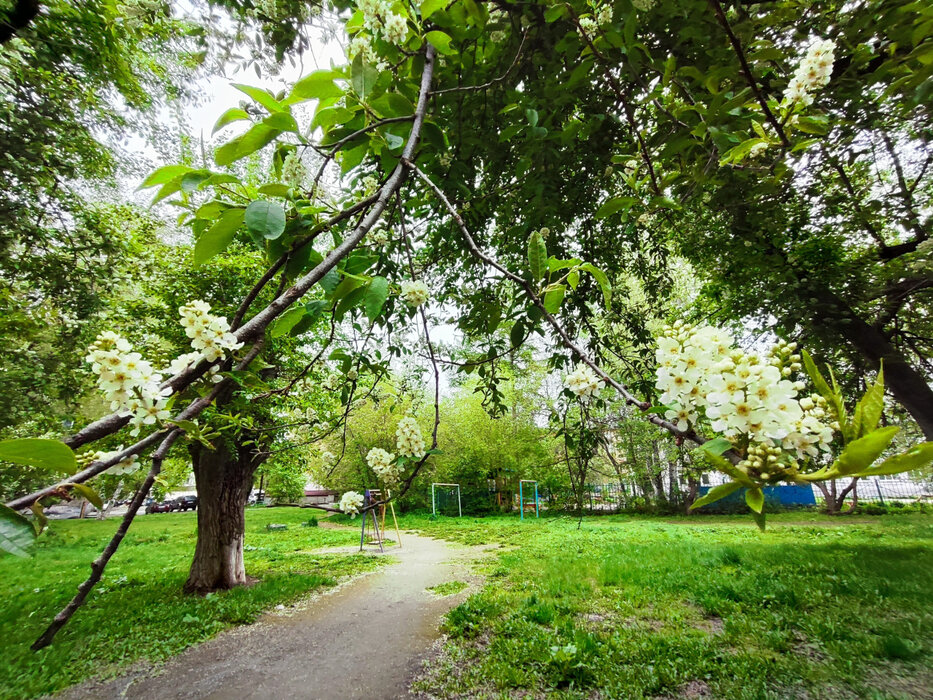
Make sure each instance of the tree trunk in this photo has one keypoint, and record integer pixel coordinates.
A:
(224, 481)
(694, 490)
(908, 386)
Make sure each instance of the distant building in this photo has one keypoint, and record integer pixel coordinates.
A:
(319, 496)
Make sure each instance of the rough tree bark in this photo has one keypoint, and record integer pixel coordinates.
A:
(224, 479)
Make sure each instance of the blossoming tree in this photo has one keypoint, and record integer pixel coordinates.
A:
(512, 151)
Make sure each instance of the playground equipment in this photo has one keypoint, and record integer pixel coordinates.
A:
(434, 501)
(521, 497)
(376, 532)
(376, 495)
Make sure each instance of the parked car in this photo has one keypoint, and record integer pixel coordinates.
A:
(158, 507)
(185, 503)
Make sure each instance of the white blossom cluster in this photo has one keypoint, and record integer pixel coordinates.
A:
(379, 236)
(328, 457)
(383, 463)
(602, 17)
(583, 381)
(331, 382)
(812, 74)
(414, 292)
(379, 19)
(129, 382)
(408, 438)
(133, 386)
(745, 397)
(294, 172)
(210, 335)
(351, 503)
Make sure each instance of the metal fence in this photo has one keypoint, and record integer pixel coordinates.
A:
(615, 497)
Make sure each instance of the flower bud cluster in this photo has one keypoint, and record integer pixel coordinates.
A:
(784, 356)
(351, 503)
(812, 74)
(583, 381)
(408, 438)
(414, 292)
(763, 462)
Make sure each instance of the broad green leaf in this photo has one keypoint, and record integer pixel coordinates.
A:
(759, 520)
(613, 205)
(716, 493)
(287, 321)
(363, 77)
(517, 334)
(318, 85)
(216, 239)
(261, 96)
(537, 256)
(916, 458)
(818, 381)
(266, 219)
(727, 467)
(553, 264)
(755, 498)
(601, 279)
(258, 136)
(716, 446)
(441, 42)
(165, 174)
(376, 294)
(38, 513)
(573, 279)
(16, 532)
(231, 115)
(90, 494)
(868, 411)
(553, 298)
(282, 121)
(859, 454)
(429, 7)
(53, 455)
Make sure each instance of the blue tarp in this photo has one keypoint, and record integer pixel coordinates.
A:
(791, 495)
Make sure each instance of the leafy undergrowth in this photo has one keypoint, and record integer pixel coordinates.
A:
(138, 611)
(630, 607)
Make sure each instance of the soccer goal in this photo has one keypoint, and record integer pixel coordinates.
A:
(521, 496)
(445, 489)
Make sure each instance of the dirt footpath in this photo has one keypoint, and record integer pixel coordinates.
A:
(364, 639)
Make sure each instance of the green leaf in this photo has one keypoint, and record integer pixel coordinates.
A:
(287, 321)
(441, 42)
(258, 136)
(759, 520)
(820, 383)
(755, 498)
(261, 96)
(868, 411)
(859, 454)
(53, 455)
(16, 532)
(517, 334)
(216, 239)
(537, 256)
(716, 493)
(318, 85)
(727, 467)
(916, 458)
(362, 77)
(553, 298)
(716, 446)
(376, 294)
(231, 115)
(602, 280)
(613, 205)
(429, 7)
(90, 494)
(265, 219)
(165, 174)
(282, 121)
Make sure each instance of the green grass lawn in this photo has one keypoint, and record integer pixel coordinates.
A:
(138, 610)
(630, 607)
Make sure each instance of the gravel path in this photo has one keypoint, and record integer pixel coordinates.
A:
(364, 639)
